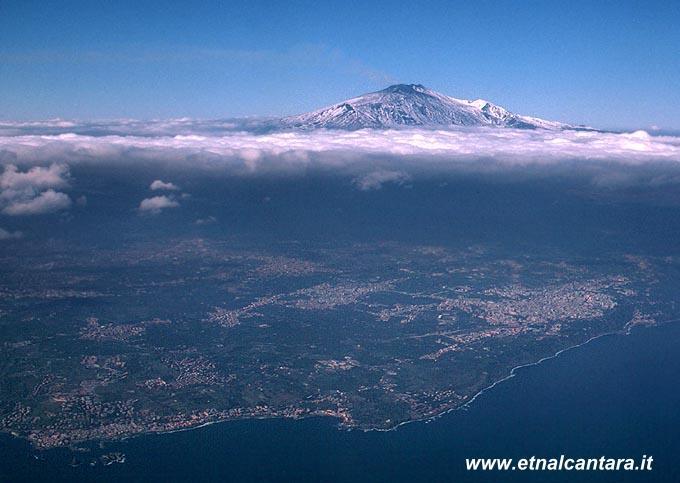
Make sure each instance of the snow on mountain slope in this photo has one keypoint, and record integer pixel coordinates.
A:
(414, 105)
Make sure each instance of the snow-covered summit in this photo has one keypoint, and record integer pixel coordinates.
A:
(414, 105)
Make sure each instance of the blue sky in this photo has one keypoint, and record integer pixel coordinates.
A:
(608, 64)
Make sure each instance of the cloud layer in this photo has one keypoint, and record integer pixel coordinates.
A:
(249, 151)
(35, 176)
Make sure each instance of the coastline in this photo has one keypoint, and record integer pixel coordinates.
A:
(396, 426)
(511, 374)
(624, 331)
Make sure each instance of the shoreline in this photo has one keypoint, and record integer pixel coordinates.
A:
(624, 331)
(511, 374)
(397, 426)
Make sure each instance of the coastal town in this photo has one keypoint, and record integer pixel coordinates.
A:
(286, 337)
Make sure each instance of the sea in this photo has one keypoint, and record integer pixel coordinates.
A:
(617, 396)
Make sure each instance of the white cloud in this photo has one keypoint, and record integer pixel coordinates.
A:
(375, 179)
(250, 152)
(156, 204)
(162, 185)
(8, 235)
(370, 157)
(37, 177)
(46, 202)
(31, 192)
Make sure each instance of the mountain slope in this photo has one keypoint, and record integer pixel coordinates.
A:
(413, 105)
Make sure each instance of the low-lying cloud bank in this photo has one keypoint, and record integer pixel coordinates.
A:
(277, 150)
(35, 168)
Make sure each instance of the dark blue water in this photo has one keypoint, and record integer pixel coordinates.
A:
(616, 396)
